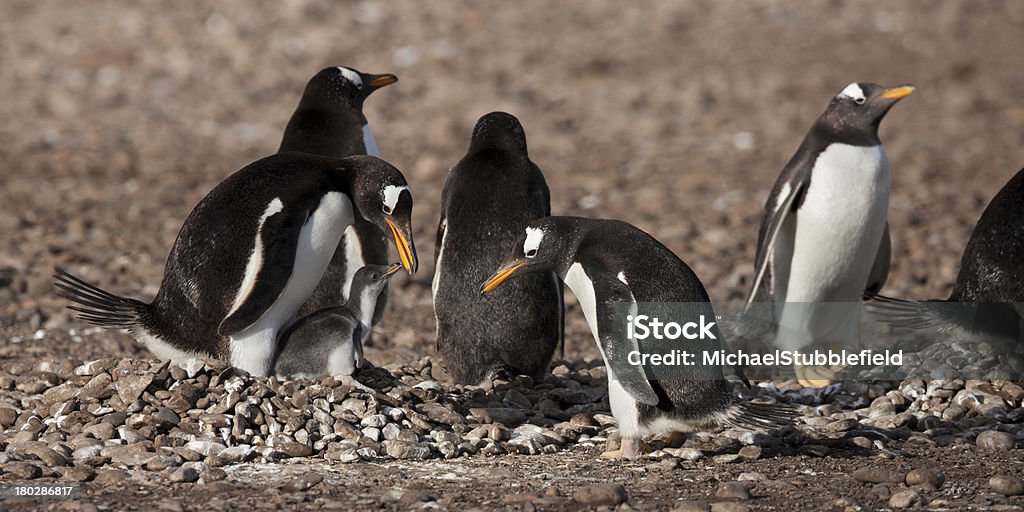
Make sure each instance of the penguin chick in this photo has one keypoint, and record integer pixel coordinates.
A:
(330, 341)
(608, 264)
(489, 196)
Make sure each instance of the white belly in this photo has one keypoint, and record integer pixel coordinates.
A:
(624, 407)
(162, 350)
(838, 229)
(831, 245)
(353, 260)
(369, 143)
(253, 348)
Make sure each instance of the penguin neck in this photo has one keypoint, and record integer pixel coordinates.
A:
(362, 304)
(337, 132)
(826, 132)
(498, 144)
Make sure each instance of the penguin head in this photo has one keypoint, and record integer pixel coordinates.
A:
(546, 245)
(498, 130)
(374, 277)
(381, 195)
(859, 108)
(342, 87)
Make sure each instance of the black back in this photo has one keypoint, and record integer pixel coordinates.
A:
(992, 267)
(655, 275)
(488, 199)
(205, 268)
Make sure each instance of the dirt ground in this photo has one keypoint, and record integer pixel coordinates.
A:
(116, 118)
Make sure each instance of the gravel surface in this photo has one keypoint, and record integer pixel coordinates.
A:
(115, 119)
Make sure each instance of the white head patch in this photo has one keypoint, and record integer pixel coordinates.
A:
(351, 76)
(853, 91)
(533, 238)
(391, 193)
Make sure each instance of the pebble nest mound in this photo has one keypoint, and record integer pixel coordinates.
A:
(186, 421)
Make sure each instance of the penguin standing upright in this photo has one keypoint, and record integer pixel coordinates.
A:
(330, 341)
(249, 255)
(608, 264)
(987, 301)
(488, 198)
(824, 237)
(329, 121)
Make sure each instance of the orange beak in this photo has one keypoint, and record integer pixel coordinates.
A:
(500, 276)
(898, 92)
(404, 247)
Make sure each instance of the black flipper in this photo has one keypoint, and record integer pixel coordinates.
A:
(880, 269)
(280, 238)
(611, 293)
(785, 197)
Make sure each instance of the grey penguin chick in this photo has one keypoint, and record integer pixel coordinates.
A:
(329, 341)
(489, 197)
(824, 237)
(610, 264)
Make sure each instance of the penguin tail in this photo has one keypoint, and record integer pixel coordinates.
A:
(933, 314)
(98, 306)
(759, 416)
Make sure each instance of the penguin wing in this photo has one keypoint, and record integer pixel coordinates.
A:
(785, 197)
(880, 269)
(279, 238)
(616, 347)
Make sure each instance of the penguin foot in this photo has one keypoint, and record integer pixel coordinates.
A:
(629, 449)
(816, 376)
(349, 380)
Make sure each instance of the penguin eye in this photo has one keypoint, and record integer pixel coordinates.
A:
(531, 253)
(386, 209)
(376, 276)
(860, 100)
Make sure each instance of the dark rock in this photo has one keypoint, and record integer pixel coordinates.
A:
(601, 494)
(878, 476)
(925, 478)
(733, 490)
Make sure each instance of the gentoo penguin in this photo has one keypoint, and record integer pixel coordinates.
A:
(329, 121)
(824, 239)
(987, 301)
(250, 254)
(330, 341)
(608, 264)
(488, 199)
